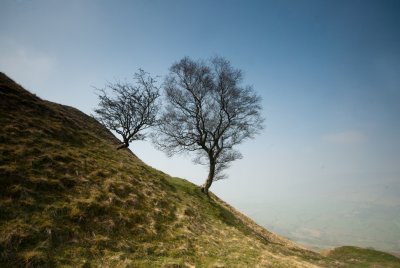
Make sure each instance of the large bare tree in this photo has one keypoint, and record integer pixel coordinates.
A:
(129, 109)
(208, 112)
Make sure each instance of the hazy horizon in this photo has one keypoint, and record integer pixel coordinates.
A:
(328, 162)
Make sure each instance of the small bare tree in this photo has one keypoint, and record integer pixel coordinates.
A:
(130, 108)
(208, 112)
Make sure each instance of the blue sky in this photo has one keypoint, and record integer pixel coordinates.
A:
(328, 72)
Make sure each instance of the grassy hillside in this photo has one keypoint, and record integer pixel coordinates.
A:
(68, 198)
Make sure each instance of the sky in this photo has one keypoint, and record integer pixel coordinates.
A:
(328, 73)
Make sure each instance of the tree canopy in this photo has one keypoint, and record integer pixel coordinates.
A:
(208, 112)
(129, 108)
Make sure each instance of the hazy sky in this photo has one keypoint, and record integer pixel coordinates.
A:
(328, 72)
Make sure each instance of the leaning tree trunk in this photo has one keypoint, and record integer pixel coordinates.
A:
(210, 178)
(123, 145)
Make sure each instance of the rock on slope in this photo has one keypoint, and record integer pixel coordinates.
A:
(68, 198)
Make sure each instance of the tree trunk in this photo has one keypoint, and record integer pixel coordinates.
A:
(210, 178)
(123, 145)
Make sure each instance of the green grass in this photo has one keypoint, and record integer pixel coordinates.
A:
(68, 198)
(363, 257)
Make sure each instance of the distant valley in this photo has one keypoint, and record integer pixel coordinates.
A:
(342, 217)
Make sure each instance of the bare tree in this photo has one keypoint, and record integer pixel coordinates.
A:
(130, 108)
(208, 112)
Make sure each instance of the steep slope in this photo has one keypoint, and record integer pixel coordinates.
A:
(68, 198)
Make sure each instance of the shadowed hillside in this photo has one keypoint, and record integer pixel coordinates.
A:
(69, 198)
